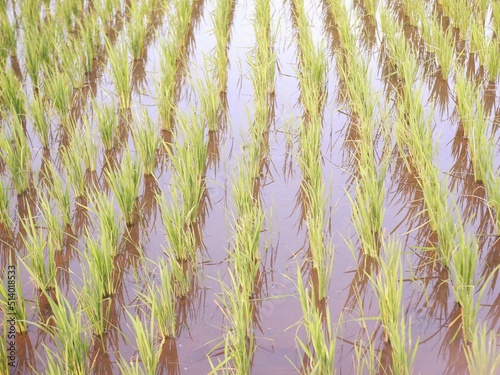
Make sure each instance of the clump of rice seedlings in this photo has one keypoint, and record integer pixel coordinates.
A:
(161, 301)
(146, 142)
(12, 94)
(443, 47)
(148, 353)
(74, 167)
(165, 86)
(107, 123)
(209, 98)
(60, 94)
(90, 40)
(71, 65)
(39, 120)
(188, 161)
(70, 338)
(482, 355)
(120, 72)
(109, 229)
(265, 58)
(87, 144)
(388, 287)
(137, 28)
(321, 341)
(35, 242)
(59, 193)
(18, 309)
(95, 307)
(181, 239)
(463, 269)
(222, 30)
(125, 184)
(15, 152)
(239, 341)
(37, 50)
(5, 219)
(8, 35)
(99, 258)
(52, 224)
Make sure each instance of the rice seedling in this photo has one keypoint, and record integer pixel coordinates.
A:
(125, 184)
(109, 229)
(59, 194)
(71, 340)
(60, 94)
(5, 219)
(39, 120)
(73, 71)
(388, 287)
(483, 356)
(181, 240)
(137, 28)
(14, 309)
(239, 341)
(12, 94)
(188, 161)
(149, 355)
(209, 97)
(222, 30)
(107, 123)
(463, 268)
(90, 40)
(120, 72)
(99, 258)
(52, 224)
(146, 142)
(16, 154)
(165, 86)
(8, 35)
(74, 168)
(95, 307)
(161, 301)
(321, 341)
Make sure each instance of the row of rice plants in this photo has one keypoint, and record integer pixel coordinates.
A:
(237, 298)
(474, 121)
(172, 51)
(319, 349)
(457, 253)
(367, 209)
(312, 79)
(414, 139)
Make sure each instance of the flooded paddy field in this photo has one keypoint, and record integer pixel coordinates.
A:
(262, 186)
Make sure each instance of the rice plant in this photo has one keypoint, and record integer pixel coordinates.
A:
(39, 120)
(100, 263)
(94, 305)
(107, 123)
(52, 224)
(71, 340)
(137, 28)
(209, 97)
(60, 93)
(149, 354)
(321, 341)
(181, 240)
(109, 229)
(125, 184)
(16, 154)
(120, 72)
(12, 94)
(222, 29)
(388, 287)
(5, 219)
(483, 356)
(161, 301)
(146, 142)
(59, 193)
(463, 269)
(74, 168)
(16, 309)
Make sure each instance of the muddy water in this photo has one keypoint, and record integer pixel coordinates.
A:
(427, 299)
